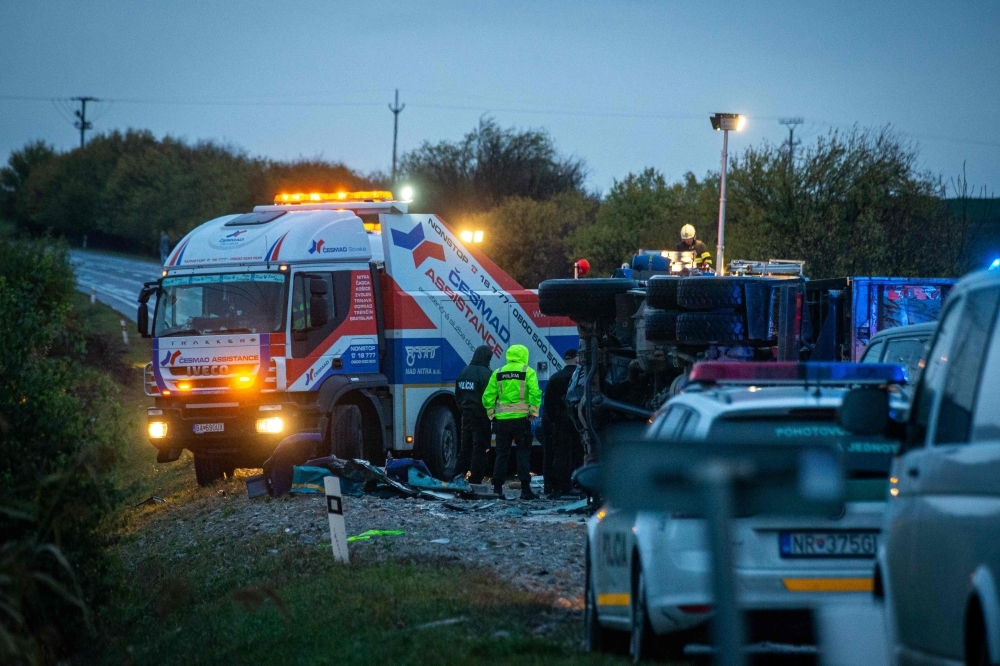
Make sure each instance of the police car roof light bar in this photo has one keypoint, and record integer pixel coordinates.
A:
(717, 372)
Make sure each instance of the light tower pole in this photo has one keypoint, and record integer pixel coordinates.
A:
(396, 110)
(724, 122)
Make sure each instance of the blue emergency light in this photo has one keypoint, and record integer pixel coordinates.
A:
(718, 372)
(995, 265)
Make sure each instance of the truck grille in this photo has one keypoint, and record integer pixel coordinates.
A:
(149, 386)
(270, 379)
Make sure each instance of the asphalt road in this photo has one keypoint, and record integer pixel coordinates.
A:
(117, 280)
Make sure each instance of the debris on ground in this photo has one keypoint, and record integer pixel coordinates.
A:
(542, 552)
(374, 533)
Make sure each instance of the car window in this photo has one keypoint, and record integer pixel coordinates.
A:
(670, 422)
(954, 417)
(986, 420)
(905, 351)
(687, 432)
(937, 360)
(874, 352)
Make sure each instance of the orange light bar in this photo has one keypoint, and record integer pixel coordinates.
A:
(320, 197)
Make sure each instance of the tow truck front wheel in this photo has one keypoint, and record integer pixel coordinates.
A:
(208, 470)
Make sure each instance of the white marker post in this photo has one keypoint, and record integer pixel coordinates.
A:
(335, 511)
(124, 332)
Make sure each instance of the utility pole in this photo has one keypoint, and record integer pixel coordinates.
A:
(396, 110)
(82, 123)
(791, 123)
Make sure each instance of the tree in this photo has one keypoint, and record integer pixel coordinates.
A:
(13, 177)
(488, 165)
(528, 238)
(852, 204)
(643, 211)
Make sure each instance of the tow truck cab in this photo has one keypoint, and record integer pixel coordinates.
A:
(340, 314)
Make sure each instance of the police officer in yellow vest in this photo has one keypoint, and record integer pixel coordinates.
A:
(512, 397)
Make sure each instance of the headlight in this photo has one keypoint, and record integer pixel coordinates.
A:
(157, 429)
(271, 425)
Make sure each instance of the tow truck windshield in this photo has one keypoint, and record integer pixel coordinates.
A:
(222, 303)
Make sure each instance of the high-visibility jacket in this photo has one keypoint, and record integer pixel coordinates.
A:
(512, 391)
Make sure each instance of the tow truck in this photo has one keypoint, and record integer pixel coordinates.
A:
(336, 313)
(643, 329)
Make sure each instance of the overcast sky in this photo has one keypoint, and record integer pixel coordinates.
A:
(624, 85)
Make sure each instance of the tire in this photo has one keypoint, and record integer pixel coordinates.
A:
(595, 637)
(439, 442)
(586, 299)
(661, 325)
(346, 440)
(711, 328)
(711, 293)
(661, 292)
(982, 654)
(208, 470)
(643, 642)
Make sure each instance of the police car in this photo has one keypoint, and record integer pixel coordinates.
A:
(648, 573)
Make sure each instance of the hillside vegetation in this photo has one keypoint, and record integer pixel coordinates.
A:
(853, 202)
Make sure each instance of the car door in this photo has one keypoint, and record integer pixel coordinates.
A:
(615, 540)
(901, 509)
(957, 504)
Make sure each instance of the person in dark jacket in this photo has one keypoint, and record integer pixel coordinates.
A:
(560, 433)
(473, 450)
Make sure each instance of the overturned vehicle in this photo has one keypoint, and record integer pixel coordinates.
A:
(643, 329)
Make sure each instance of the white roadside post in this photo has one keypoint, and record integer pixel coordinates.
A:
(93, 295)
(124, 332)
(335, 512)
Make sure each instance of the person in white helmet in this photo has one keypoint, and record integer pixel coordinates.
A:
(690, 243)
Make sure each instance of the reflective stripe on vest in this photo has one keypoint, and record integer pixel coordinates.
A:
(519, 407)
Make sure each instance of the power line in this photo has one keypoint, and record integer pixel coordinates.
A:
(82, 123)
(552, 111)
(396, 110)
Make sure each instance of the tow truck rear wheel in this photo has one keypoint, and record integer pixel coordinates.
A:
(346, 440)
(439, 442)
(208, 470)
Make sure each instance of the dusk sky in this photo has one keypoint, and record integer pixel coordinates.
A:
(624, 85)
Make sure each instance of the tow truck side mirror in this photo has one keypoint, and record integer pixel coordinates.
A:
(142, 320)
(865, 411)
(142, 314)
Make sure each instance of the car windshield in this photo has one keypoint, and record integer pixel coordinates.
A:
(864, 457)
(223, 303)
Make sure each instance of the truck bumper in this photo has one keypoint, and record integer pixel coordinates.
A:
(245, 431)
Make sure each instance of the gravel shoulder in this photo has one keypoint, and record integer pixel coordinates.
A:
(541, 554)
